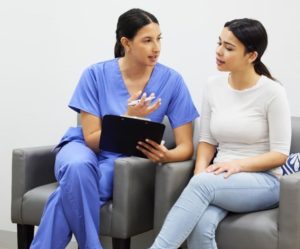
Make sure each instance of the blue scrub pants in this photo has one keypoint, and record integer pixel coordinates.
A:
(85, 184)
(205, 202)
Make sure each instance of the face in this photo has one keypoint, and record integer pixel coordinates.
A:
(144, 48)
(230, 53)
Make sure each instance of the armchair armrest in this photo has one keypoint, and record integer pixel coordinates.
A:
(289, 209)
(171, 179)
(133, 196)
(31, 167)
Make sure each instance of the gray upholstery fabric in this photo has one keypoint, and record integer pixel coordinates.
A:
(289, 210)
(34, 201)
(270, 229)
(166, 194)
(133, 197)
(248, 231)
(31, 167)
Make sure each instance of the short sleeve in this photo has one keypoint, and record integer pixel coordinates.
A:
(85, 96)
(181, 109)
(204, 132)
(279, 119)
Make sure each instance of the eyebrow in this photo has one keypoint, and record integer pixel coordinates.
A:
(227, 43)
(150, 36)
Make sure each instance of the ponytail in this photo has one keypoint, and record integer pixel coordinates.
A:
(261, 69)
(119, 50)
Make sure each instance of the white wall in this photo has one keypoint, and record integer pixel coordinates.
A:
(45, 45)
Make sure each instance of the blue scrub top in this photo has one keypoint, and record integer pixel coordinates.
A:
(101, 90)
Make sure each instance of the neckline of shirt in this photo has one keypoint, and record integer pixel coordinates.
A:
(257, 85)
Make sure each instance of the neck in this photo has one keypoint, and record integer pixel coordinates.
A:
(133, 70)
(135, 75)
(243, 79)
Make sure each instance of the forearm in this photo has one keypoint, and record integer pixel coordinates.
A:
(262, 162)
(180, 153)
(91, 126)
(205, 154)
(92, 140)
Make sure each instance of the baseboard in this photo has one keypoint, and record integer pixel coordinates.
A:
(8, 240)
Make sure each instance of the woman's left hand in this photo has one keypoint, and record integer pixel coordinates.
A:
(228, 168)
(157, 153)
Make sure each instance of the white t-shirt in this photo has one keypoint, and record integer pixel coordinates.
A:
(245, 123)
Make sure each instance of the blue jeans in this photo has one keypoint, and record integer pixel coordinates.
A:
(205, 202)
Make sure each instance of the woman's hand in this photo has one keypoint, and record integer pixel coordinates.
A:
(157, 153)
(143, 107)
(229, 168)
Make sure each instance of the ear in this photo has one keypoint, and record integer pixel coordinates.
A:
(125, 43)
(252, 56)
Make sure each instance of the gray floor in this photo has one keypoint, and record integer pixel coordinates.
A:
(8, 240)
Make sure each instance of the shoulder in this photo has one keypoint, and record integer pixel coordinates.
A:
(101, 66)
(216, 82)
(271, 87)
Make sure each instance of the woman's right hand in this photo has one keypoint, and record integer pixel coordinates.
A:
(143, 107)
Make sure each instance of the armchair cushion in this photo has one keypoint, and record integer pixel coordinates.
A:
(35, 199)
(249, 230)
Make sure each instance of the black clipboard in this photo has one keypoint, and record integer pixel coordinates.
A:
(121, 134)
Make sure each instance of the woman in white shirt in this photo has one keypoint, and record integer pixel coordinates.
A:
(245, 136)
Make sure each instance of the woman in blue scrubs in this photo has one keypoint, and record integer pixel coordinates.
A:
(85, 172)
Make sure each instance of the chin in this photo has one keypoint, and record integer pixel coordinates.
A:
(151, 64)
(222, 69)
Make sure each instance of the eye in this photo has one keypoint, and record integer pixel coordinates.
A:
(229, 48)
(219, 43)
(147, 40)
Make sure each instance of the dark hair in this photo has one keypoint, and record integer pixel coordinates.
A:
(129, 23)
(253, 35)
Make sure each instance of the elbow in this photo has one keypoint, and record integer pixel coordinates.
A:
(281, 158)
(189, 151)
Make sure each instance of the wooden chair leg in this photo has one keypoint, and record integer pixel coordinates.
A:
(25, 236)
(121, 243)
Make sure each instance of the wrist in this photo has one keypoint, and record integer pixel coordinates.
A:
(239, 164)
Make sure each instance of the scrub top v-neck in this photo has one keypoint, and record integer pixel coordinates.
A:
(101, 90)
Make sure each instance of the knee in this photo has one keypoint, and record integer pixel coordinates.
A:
(74, 158)
(77, 167)
(203, 183)
(199, 181)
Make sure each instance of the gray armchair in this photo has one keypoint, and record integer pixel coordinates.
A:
(128, 214)
(277, 228)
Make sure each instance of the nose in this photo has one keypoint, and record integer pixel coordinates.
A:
(156, 46)
(219, 50)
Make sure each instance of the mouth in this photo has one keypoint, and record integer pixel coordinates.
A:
(219, 62)
(153, 57)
